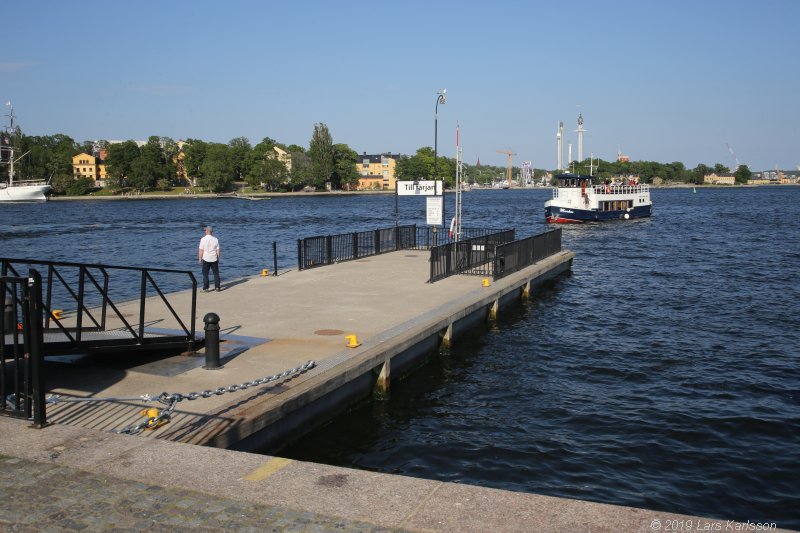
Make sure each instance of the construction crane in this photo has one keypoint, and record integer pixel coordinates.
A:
(510, 153)
(736, 159)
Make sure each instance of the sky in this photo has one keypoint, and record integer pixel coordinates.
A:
(666, 81)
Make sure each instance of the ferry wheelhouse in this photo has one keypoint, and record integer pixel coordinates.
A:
(577, 198)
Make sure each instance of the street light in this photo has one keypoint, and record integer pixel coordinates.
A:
(440, 99)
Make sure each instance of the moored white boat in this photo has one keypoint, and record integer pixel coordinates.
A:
(576, 198)
(19, 191)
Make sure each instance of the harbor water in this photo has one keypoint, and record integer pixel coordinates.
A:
(663, 372)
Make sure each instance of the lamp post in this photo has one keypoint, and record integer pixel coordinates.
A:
(440, 99)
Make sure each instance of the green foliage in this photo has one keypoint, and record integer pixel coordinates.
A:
(321, 153)
(264, 169)
(743, 174)
(345, 173)
(80, 186)
(218, 169)
(194, 152)
(239, 150)
(119, 164)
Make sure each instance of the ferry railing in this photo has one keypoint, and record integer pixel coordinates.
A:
(469, 256)
(85, 291)
(22, 392)
(329, 249)
(621, 189)
(513, 256)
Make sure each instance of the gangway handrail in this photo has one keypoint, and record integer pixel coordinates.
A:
(84, 272)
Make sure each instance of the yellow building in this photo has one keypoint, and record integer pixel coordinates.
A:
(284, 157)
(722, 179)
(88, 166)
(377, 171)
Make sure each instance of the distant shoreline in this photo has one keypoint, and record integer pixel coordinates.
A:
(269, 196)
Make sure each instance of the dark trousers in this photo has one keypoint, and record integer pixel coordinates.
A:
(214, 265)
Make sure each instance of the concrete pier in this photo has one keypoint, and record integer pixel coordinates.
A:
(78, 474)
(382, 305)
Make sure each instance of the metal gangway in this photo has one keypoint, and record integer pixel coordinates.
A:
(103, 309)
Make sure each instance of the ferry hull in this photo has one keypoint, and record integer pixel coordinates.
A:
(561, 215)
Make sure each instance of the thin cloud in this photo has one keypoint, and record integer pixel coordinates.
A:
(13, 67)
(160, 90)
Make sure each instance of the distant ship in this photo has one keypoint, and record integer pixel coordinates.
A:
(19, 191)
(576, 198)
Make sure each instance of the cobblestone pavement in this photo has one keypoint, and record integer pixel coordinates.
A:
(41, 497)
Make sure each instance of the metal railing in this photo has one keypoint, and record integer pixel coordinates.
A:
(470, 256)
(22, 393)
(513, 256)
(329, 249)
(84, 293)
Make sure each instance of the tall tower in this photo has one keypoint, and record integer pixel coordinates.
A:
(580, 131)
(560, 143)
(569, 152)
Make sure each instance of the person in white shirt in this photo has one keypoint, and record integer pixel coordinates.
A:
(208, 256)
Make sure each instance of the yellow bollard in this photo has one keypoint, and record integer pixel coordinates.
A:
(352, 341)
(485, 282)
(58, 314)
(265, 272)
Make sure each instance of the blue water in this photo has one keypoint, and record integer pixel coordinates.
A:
(662, 372)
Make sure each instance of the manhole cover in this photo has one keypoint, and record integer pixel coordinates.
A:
(328, 332)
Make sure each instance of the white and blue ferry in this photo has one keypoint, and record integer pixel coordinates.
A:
(577, 198)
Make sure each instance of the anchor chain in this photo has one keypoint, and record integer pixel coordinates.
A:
(172, 400)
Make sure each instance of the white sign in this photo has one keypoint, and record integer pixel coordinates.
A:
(419, 188)
(434, 211)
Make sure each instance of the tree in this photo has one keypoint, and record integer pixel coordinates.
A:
(345, 174)
(417, 167)
(320, 151)
(743, 174)
(699, 172)
(218, 170)
(80, 186)
(149, 167)
(720, 169)
(239, 153)
(264, 168)
(119, 164)
(194, 153)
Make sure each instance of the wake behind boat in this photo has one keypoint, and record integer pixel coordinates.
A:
(18, 191)
(576, 198)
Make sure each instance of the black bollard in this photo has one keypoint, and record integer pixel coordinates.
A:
(211, 321)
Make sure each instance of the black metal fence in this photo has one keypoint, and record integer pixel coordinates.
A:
(86, 295)
(430, 236)
(513, 256)
(22, 392)
(469, 256)
(329, 249)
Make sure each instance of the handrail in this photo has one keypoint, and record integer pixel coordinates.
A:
(84, 308)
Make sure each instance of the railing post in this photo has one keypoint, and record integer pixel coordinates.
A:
(211, 328)
(396, 238)
(35, 355)
(79, 318)
(299, 254)
(328, 250)
(355, 245)
(275, 257)
(104, 309)
(376, 244)
(142, 297)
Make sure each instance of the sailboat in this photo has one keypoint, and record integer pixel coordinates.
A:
(18, 191)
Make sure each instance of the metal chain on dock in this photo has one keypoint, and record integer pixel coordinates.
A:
(172, 400)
